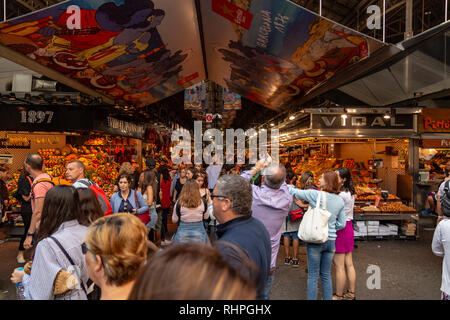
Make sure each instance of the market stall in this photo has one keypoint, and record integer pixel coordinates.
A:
(102, 143)
(376, 151)
(432, 153)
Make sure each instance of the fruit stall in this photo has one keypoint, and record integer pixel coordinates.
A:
(377, 166)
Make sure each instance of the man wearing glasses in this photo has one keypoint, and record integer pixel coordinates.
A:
(232, 203)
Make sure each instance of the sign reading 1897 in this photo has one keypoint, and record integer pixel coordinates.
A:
(32, 116)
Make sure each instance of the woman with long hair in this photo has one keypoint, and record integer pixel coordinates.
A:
(343, 260)
(58, 248)
(164, 195)
(148, 187)
(189, 211)
(190, 172)
(320, 256)
(179, 184)
(23, 196)
(202, 180)
(194, 272)
(90, 209)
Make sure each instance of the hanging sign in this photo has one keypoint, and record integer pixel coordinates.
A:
(436, 143)
(6, 158)
(434, 120)
(119, 127)
(361, 121)
(44, 118)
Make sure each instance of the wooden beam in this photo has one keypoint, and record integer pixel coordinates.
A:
(29, 63)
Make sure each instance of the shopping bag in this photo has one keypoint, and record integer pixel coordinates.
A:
(314, 225)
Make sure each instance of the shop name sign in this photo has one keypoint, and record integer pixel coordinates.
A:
(436, 143)
(361, 121)
(434, 120)
(125, 127)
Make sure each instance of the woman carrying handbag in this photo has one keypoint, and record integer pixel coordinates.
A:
(320, 255)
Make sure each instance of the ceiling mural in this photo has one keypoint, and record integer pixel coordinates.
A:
(142, 51)
(126, 49)
(272, 50)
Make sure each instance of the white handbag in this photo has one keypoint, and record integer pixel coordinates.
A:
(314, 225)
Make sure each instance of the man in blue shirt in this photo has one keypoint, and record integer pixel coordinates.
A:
(232, 203)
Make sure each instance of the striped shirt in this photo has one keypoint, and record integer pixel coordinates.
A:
(49, 260)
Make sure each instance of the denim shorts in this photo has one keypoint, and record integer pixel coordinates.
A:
(191, 232)
(291, 235)
(154, 219)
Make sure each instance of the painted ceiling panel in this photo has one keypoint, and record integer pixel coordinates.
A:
(270, 51)
(136, 51)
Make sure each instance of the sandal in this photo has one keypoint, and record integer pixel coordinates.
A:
(349, 295)
(336, 297)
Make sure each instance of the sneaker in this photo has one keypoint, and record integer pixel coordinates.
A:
(426, 212)
(295, 263)
(20, 258)
(166, 242)
(287, 261)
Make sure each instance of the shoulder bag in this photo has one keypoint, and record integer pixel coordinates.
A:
(314, 225)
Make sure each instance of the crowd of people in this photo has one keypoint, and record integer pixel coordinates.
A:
(230, 222)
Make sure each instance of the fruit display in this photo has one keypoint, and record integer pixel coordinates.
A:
(96, 162)
(319, 165)
(395, 207)
(385, 207)
(12, 188)
(363, 181)
(370, 209)
(435, 165)
(372, 197)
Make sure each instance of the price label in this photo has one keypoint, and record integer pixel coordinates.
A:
(33, 116)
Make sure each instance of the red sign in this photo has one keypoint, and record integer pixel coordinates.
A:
(187, 79)
(209, 117)
(436, 143)
(434, 120)
(233, 13)
(436, 124)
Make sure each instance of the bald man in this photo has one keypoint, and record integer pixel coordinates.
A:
(271, 204)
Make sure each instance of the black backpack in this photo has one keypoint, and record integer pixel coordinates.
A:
(178, 209)
(445, 200)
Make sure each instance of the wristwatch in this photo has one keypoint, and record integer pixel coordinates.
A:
(30, 234)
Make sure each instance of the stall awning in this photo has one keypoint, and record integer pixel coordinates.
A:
(422, 68)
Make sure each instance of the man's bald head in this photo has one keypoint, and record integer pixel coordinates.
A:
(35, 161)
(274, 175)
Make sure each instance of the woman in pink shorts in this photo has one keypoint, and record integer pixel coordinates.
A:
(343, 261)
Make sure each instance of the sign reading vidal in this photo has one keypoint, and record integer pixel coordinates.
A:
(361, 121)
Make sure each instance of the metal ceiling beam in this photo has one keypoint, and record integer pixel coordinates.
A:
(29, 63)
(32, 5)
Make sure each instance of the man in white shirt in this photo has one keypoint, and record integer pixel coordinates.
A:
(440, 192)
(213, 172)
